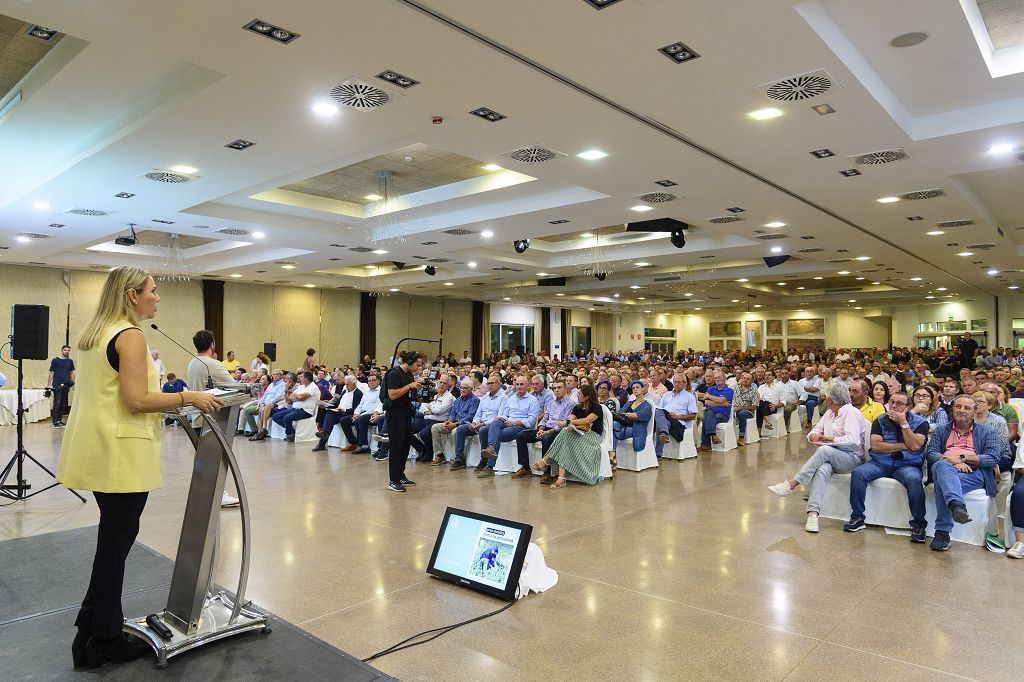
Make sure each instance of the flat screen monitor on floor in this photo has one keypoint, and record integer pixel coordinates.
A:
(483, 553)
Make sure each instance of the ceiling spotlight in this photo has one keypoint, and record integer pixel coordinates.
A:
(935, 233)
(23, 239)
(309, 286)
(640, 208)
(324, 109)
(449, 284)
(487, 234)
(558, 222)
(276, 33)
(615, 295)
(124, 195)
(288, 267)
(521, 245)
(506, 298)
(491, 167)
(966, 253)
(823, 109)
(941, 288)
(1013, 286)
(765, 114)
(844, 272)
(678, 238)
(379, 252)
(929, 296)
(559, 294)
(393, 289)
(776, 249)
(860, 279)
(642, 264)
(735, 300)
(852, 300)
(235, 275)
(592, 154)
(698, 308)
(258, 235)
(666, 183)
(819, 278)
(240, 144)
(993, 272)
(641, 298)
(488, 114)
(587, 235)
(916, 279)
(647, 311)
(743, 279)
(1001, 149)
(850, 173)
(373, 197)
(430, 270)
(758, 305)
(678, 53)
(822, 153)
(634, 286)
(186, 170)
(398, 79)
(471, 264)
(800, 288)
(888, 200)
(862, 258)
(41, 206)
(600, 276)
(775, 224)
(876, 283)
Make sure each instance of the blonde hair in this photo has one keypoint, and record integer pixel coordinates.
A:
(114, 305)
(986, 396)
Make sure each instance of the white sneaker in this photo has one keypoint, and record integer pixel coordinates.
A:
(1017, 551)
(228, 501)
(812, 523)
(781, 489)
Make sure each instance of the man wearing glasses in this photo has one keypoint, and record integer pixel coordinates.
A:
(898, 438)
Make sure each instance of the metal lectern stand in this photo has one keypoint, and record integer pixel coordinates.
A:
(194, 616)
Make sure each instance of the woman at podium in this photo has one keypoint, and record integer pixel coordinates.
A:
(112, 448)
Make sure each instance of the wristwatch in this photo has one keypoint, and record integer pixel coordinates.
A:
(904, 425)
(963, 459)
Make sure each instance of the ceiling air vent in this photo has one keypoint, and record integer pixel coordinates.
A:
(769, 237)
(840, 260)
(437, 260)
(233, 231)
(810, 250)
(879, 157)
(169, 177)
(356, 94)
(89, 211)
(533, 153)
(361, 249)
(721, 220)
(667, 278)
(656, 197)
(980, 247)
(955, 223)
(34, 235)
(459, 231)
(921, 194)
(505, 269)
(797, 88)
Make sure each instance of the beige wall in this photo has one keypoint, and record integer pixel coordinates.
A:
(400, 316)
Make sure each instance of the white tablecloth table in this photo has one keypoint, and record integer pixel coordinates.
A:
(37, 405)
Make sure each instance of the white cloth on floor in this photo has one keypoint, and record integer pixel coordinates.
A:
(535, 576)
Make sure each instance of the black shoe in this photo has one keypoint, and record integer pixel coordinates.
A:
(78, 647)
(320, 434)
(917, 533)
(319, 447)
(424, 458)
(856, 523)
(119, 649)
(457, 464)
(406, 481)
(940, 543)
(482, 465)
(361, 450)
(380, 458)
(396, 487)
(290, 438)
(959, 513)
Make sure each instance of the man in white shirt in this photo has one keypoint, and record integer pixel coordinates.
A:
(429, 414)
(302, 402)
(160, 369)
(811, 386)
(793, 356)
(203, 370)
(768, 391)
(339, 411)
(465, 359)
(791, 394)
(369, 413)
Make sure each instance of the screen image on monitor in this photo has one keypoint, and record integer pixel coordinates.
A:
(483, 553)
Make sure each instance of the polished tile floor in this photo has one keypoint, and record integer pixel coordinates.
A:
(691, 571)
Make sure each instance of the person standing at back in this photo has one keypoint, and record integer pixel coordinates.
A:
(401, 388)
(203, 368)
(61, 379)
(112, 448)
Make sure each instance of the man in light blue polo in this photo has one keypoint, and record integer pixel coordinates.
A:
(490, 405)
(519, 413)
(263, 406)
(717, 408)
(677, 409)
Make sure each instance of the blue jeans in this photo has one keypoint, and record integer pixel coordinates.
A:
(461, 434)
(811, 404)
(662, 424)
(951, 486)
(907, 474)
(496, 433)
(287, 419)
(712, 418)
(741, 417)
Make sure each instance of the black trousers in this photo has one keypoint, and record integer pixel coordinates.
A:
(119, 526)
(60, 399)
(524, 439)
(763, 408)
(400, 434)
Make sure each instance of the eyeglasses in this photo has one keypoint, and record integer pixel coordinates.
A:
(922, 395)
(901, 403)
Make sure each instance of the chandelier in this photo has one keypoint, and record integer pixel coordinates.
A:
(693, 281)
(593, 259)
(390, 218)
(174, 266)
(378, 287)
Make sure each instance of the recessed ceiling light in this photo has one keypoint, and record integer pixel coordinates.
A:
(822, 153)
(240, 145)
(591, 309)
(844, 272)
(764, 114)
(1001, 149)
(698, 308)
(1013, 286)
(325, 109)
(775, 224)
(798, 289)
(559, 294)
(688, 294)
(235, 275)
(823, 109)
(743, 279)
(941, 288)
(647, 311)
(124, 195)
(857, 307)
(398, 79)
(449, 284)
(916, 279)
(888, 200)
(258, 235)
(935, 233)
(558, 222)
(486, 234)
(187, 170)
(876, 283)
(393, 289)
(379, 252)
(862, 258)
(666, 183)
(373, 197)
(678, 53)
(23, 239)
(736, 209)
(640, 264)
(615, 295)
(929, 296)
(491, 167)
(41, 206)
(860, 279)
(908, 39)
(592, 154)
(542, 274)
(757, 305)
(966, 253)
(914, 218)
(735, 300)
(641, 298)
(288, 267)
(308, 286)
(781, 284)
(471, 264)
(634, 286)
(488, 114)
(993, 272)
(281, 35)
(587, 235)
(370, 267)
(819, 278)
(640, 208)
(852, 300)
(776, 249)
(850, 173)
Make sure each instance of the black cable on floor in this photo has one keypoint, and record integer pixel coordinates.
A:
(445, 629)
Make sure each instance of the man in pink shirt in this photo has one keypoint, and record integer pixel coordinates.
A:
(840, 436)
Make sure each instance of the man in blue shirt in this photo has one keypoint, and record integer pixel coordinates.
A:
(519, 413)
(61, 379)
(898, 438)
(717, 408)
(553, 418)
(489, 408)
(462, 412)
(677, 408)
(265, 405)
(173, 385)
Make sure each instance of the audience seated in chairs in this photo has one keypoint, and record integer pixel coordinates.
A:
(367, 414)
(717, 409)
(927, 404)
(839, 436)
(631, 421)
(429, 415)
(860, 398)
(461, 413)
(811, 385)
(675, 412)
(745, 402)
(340, 410)
(518, 413)
(898, 440)
(554, 417)
(963, 457)
(302, 401)
(489, 407)
(769, 399)
(268, 402)
(576, 449)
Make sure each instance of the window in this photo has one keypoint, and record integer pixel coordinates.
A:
(926, 327)
(659, 333)
(509, 337)
(661, 347)
(580, 339)
(980, 325)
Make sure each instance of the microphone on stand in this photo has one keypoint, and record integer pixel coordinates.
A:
(209, 379)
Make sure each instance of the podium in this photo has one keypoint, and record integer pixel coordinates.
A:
(195, 616)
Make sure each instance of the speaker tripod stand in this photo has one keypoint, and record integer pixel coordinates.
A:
(18, 490)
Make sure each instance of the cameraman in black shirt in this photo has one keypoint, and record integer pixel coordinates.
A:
(401, 389)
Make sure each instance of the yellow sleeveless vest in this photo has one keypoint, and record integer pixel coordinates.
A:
(106, 448)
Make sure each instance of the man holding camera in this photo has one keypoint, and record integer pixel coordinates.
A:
(61, 378)
(401, 388)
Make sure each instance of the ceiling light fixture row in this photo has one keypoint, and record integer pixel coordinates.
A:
(488, 114)
(268, 30)
(822, 153)
(398, 79)
(678, 52)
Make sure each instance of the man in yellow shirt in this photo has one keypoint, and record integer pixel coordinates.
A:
(230, 363)
(859, 396)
